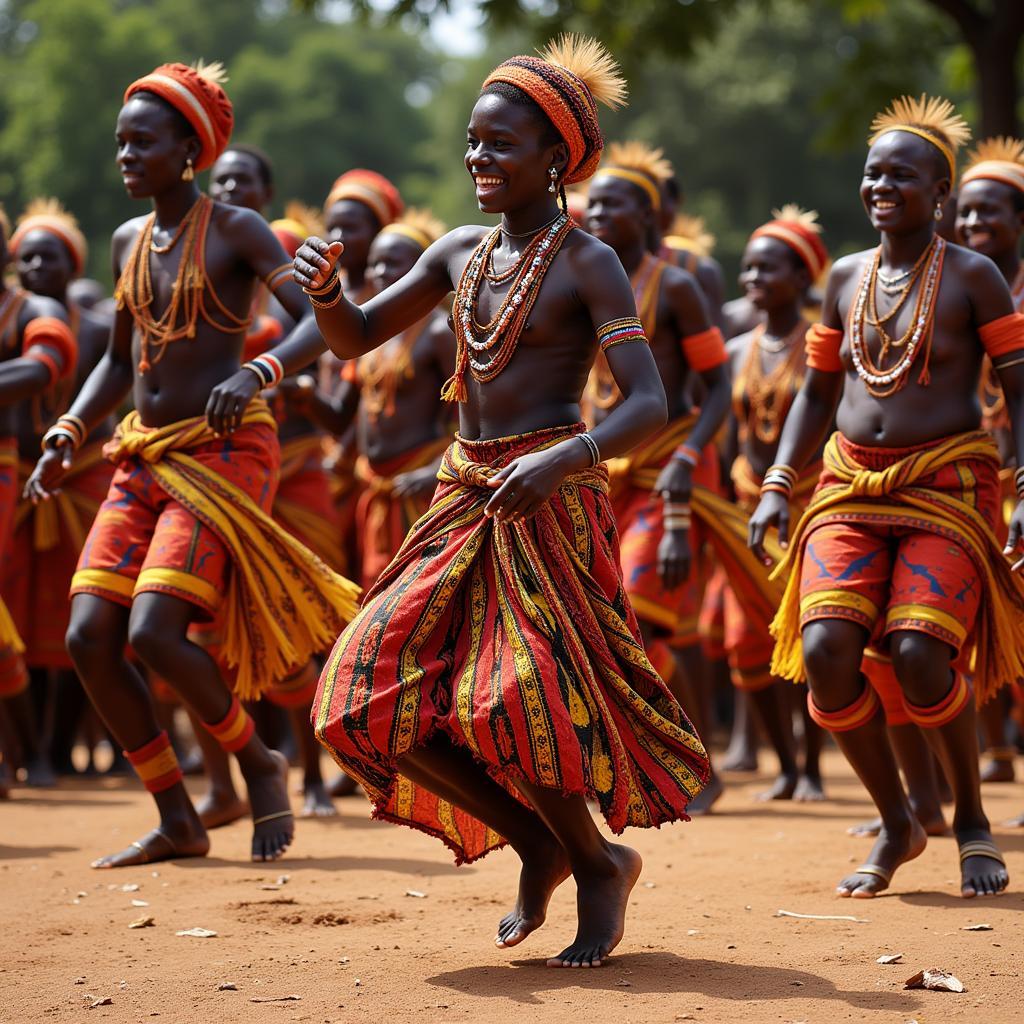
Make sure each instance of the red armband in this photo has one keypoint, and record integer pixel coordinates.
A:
(822, 345)
(1002, 336)
(706, 350)
(54, 334)
(350, 372)
(263, 336)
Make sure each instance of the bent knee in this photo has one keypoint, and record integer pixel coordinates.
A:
(90, 640)
(833, 650)
(150, 640)
(922, 664)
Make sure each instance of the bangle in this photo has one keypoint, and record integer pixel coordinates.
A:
(595, 452)
(688, 454)
(70, 426)
(53, 433)
(268, 368)
(780, 479)
(317, 304)
(332, 280)
(1018, 482)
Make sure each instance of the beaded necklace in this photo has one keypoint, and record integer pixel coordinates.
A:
(498, 338)
(602, 391)
(882, 381)
(191, 285)
(382, 370)
(768, 395)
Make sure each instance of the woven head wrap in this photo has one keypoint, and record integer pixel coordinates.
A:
(800, 230)
(567, 81)
(49, 216)
(931, 118)
(196, 93)
(998, 159)
(372, 190)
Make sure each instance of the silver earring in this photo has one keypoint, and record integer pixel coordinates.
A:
(553, 175)
(938, 213)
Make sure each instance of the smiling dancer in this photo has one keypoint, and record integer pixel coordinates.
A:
(184, 534)
(495, 678)
(898, 544)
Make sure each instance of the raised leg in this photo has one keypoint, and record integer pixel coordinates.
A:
(96, 639)
(943, 706)
(845, 703)
(158, 631)
(451, 773)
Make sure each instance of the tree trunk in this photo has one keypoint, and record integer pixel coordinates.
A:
(995, 62)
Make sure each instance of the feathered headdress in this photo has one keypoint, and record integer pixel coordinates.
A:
(931, 118)
(48, 215)
(639, 164)
(690, 234)
(800, 230)
(997, 159)
(571, 75)
(419, 226)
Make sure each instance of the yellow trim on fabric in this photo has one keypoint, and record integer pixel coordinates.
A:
(103, 579)
(926, 613)
(843, 599)
(160, 577)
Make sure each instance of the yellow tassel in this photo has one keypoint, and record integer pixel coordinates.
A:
(454, 389)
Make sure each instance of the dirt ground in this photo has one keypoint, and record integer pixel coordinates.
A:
(369, 922)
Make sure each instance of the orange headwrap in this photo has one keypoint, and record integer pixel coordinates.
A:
(48, 215)
(567, 81)
(799, 229)
(372, 190)
(197, 95)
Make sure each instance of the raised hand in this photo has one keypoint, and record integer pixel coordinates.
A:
(315, 261)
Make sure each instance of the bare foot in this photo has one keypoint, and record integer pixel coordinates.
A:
(982, 870)
(782, 788)
(218, 809)
(1017, 822)
(888, 853)
(998, 769)
(272, 819)
(934, 825)
(342, 785)
(316, 802)
(706, 798)
(809, 790)
(172, 840)
(601, 911)
(39, 773)
(543, 871)
(739, 758)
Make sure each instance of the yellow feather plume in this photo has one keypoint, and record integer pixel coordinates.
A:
(1001, 147)
(5, 224)
(214, 71)
(50, 207)
(638, 156)
(423, 220)
(807, 219)
(306, 216)
(694, 230)
(589, 61)
(930, 113)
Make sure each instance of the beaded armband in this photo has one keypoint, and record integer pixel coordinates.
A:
(688, 454)
(617, 332)
(779, 478)
(677, 515)
(68, 426)
(268, 368)
(328, 295)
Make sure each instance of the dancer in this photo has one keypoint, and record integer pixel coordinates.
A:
(495, 677)
(38, 353)
(898, 544)
(184, 534)
(50, 253)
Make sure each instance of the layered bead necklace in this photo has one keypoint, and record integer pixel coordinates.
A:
(382, 371)
(191, 284)
(769, 394)
(499, 338)
(880, 380)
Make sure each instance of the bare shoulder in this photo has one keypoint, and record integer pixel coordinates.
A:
(849, 266)
(680, 283)
(589, 255)
(739, 346)
(36, 306)
(458, 240)
(127, 232)
(239, 221)
(972, 266)
(92, 325)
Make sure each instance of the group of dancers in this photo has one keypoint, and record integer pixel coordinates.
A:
(563, 497)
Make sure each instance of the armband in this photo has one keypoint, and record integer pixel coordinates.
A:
(56, 335)
(821, 344)
(705, 351)
(1003, 336)
(617, 332)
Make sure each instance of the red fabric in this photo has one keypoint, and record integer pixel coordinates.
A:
(518, 643)
(882, 676)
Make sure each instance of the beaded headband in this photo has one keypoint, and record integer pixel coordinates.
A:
(931, 118)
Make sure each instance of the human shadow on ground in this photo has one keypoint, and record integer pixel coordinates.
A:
(286, 865)
(975, 908)
(31, 852)
(663, 973)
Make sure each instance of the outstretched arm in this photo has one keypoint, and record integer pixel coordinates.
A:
(350, 330)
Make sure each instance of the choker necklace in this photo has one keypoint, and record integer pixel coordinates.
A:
(528, 234)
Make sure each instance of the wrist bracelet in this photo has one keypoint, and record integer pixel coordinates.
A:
(595, 452)
(779, 478)
(332, 280)
(688, 454)
(268, 368)
(1018, 482)
(330, 303)
(53, 433)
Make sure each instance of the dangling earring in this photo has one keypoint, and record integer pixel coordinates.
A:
(188, 174)
(938, 213)
(553, 175)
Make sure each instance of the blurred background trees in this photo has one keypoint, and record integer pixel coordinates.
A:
(757, 102)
